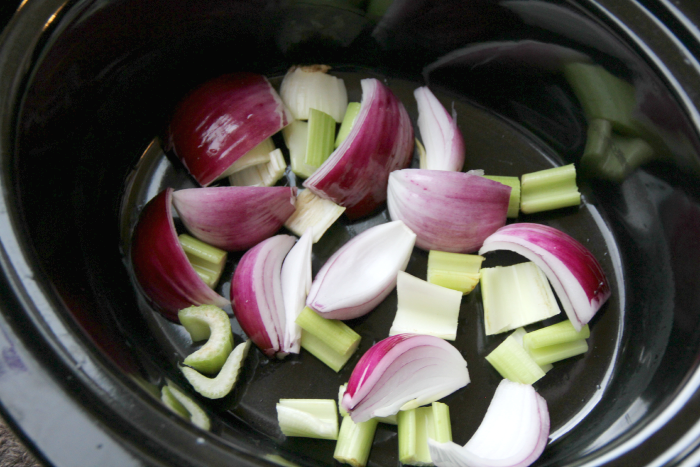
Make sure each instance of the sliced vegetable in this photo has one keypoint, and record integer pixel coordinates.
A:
(514, 184)
(349, 119)
(265, 174)
(196, 414)
(515, 296)
(549, 189)
(260, 154)
(207, 261)
(415, 426)
(312, 211)
(321, 138)
(234, 218)
(448, 211)
(211, 323)
(296, 137)
(355, 441)
(295, 279)
(308, 418)
(575, 274)
(311, 87)
(513, 362)
(559, 333)
(362, 272)
(221, 385)
(456, 271)
(403, 372)
(557, 352)
(329, 340)
(444, 145)
(425, 308)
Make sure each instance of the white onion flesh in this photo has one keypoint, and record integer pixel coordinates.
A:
(296, 283)
(442, 140)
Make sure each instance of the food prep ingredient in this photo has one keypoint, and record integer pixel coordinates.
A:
(514, 184)
(210, 323)
(329, 340)
(442, 140)
(207, 261)
(311, 87)
(295, 277)
(549, 189)
(308, 418)
(184, 406)
(355, 441)
(222, 384)
(415, 426)
(312, 211)
(456, 271)
(513, 362)
(265, 174)
(349, 119)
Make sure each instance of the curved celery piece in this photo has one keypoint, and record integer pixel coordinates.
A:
(549, 189)
(172, 403)
(196, 415)
(355, 441)
(514, 363)
(308, 418)
(558, 352)
(514, 184)
(351, 113)
(211, 323)
(415, 426)
(207, 261)
(559, 333)
(223, 383)
(329, 340)
(313, 211)
(456, 271)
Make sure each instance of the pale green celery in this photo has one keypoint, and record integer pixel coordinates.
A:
(425, 308)
(279, 460)
(514, 184)
(422, 161)
(389, 420)
(415, 426)
(223, 383)
(557, 352)
(549, 189)
(518, 335)
(319, 142)
(196, 415)
(308, 418)
(260, 154)
(515, 296)
(559, 333)
(456, 271)
(355, 441)
(207, 261)
(266, 174)
(341, 392)
(313, 211)
(296, 136)
(211, 323)
(329, 340)
(172, 403)
(513, 362)
(351, 114)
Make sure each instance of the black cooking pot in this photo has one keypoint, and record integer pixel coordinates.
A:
(87, 87)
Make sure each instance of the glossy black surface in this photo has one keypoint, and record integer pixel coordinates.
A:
(88, 84)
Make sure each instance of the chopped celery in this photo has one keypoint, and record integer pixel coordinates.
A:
(557, 352)
(456, 271)
(296, 138)
(514, 184)
(207, 261)
(513, 362)
(319, 142)
(425, 308)
(260, 154)
(308, 418)
(415, 426)
(279, 460)
(196, 415)
(329, 340)
(341, 393)
(559, 333)
(266, 174)
(351, 114)
(355, 441)
(222, 384)
(211, 323)
(549, 189)
(518, 335)
(515, 296)
(172, 403)
(313, 211)
(422, 161)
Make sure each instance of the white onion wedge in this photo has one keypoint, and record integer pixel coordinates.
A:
(443, 142)
(362, 272)
(575, 274)
(296, 283)
(514, 432)
(311, 87)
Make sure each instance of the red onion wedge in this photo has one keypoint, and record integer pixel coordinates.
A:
(222, 120)
(381, 141)
(448, 211)
(256, 294)
(160, 264)
(514, 432)
(362, 272)
(403, 372)
(444, 145)
(575, 274)
(234, 218)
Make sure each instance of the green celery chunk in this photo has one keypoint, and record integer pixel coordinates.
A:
(559, 333)
(355, 441)
(349, 119)
(195, 413)
(456, 271)
(308, 418)
(211, 323)
(172, 403)
(259, 155)
(296, 136)
(415, 426)
(514, 184)
(221, 385)
(513, 362)
(207, 261)
(549, 189)
(558, 352)
(319, 142)
(329, 340)
(313, 211)
(264, 174)
(422, 161)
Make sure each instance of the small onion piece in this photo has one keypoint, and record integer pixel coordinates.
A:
(296, 283)
(161, 265)
(513, 433)
(448, 211)
(234, 218)
(402, 372)
(256, 294)
(444, 145)
(381, 140)
(311, 87)
(575, 274)
(222, 120)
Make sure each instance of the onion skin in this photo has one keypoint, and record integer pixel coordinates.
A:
(448, 211)
(160, 264)
(256, 293)
(234, 218)
(575, 274)
(381, 140)
(223, 119)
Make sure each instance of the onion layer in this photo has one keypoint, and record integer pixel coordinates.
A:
(444, 145)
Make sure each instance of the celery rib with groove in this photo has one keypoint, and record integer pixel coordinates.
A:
(415, 426)
(355, 441)
(456, 271)
(308, 418)
(221, 385)
(207, 261)
(329, 340)
(514, 184)
(211, 323)
(514, 363)
(313, 211)
(549, 189)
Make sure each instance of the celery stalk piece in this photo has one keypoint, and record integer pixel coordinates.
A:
(355, 441)
(514, 184)
(260, 154)
(549, 189)
(425, 308)
(308, 418)
(422, 161)
(415, 426)
(296, 136)
(320, 140)
(515, 296)
(197, 415)
(172, 403)
(351, 113)
(558, 352)
(279, 460)
(559, 333)
(223, 383)
(518, 335)
(266, 174)
(211, 323)
(513, 362)
(207, 261)
(313, 211)
(329, 340)
(341, 392)
(456, 271)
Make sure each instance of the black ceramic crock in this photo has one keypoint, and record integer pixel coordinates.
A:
(86, 87)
